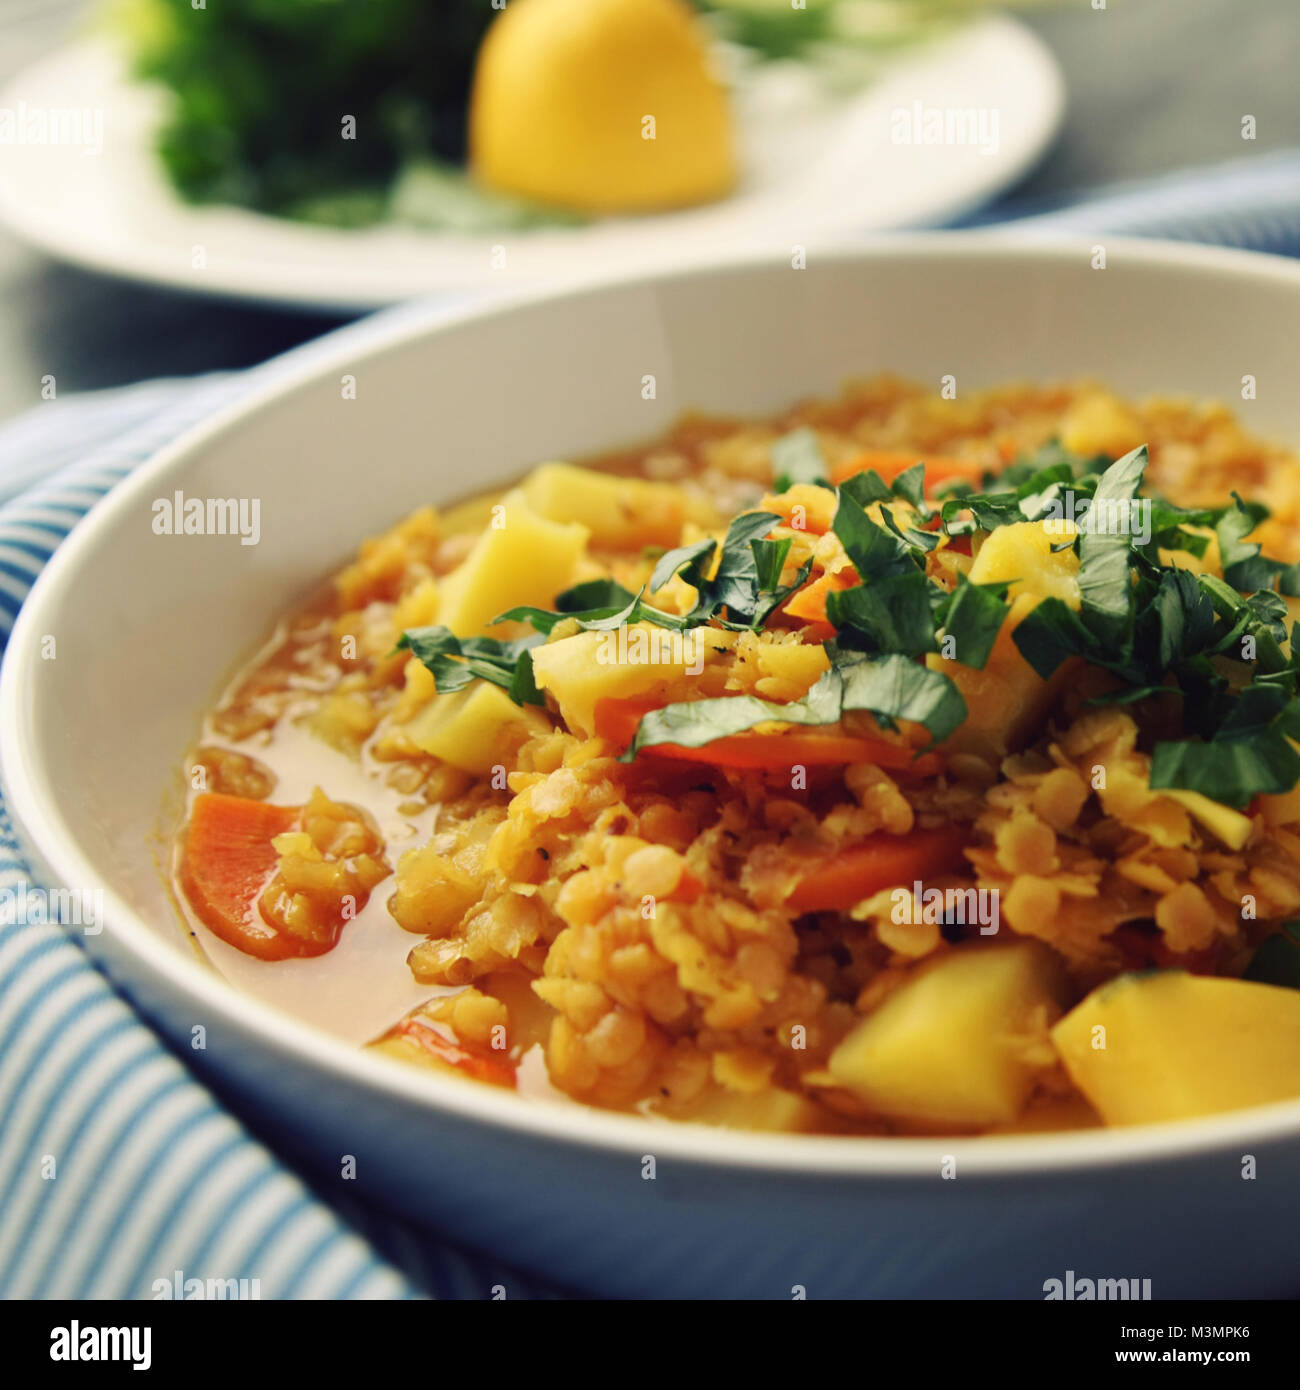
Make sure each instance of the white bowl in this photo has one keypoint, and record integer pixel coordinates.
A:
(147, 627)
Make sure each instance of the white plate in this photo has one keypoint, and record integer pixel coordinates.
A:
(816, 168)
(147, 627)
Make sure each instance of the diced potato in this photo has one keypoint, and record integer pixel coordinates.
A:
(622, 513)
(1170, 1046)
(585, 668)
(1022, 554)
(1098, 423)
(471, 515)
(477, 728)
(961, 1041)
(1007, 700)
(523, 560)
(417, 608)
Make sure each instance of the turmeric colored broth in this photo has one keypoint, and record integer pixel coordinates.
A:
(713, 931)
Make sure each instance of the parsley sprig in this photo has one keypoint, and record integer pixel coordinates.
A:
(1218, 646)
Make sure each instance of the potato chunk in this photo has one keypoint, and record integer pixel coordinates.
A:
(475, 729)
(1007, 700)
(1169, 1046)
(520, 559)
(960, 1042)
(622, 513)
(647, 661)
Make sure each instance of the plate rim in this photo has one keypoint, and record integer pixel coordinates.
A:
(49, 234)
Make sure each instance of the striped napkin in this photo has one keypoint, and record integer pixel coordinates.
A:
(119, 1173)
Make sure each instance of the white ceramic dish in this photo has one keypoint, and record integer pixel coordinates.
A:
(816, 167)
(147, 627)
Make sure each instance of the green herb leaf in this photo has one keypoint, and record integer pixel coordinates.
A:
(797, 458)
(973, 619)
(1233, 771)
(1104, 551)
(1243, 565)
(896, 687)
(910, 486)
(891, 687)
(866, 488)
(769, 561)
(688, 560)
(1049, 634)
(876, 552)
(1277, 960)
(454, 661)
(889, 614)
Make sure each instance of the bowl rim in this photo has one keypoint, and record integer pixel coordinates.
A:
(33, 800)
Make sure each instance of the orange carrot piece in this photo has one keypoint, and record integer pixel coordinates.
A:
(228, 861)
(836, 882)
(809, 604)
(475, 1062)
(890, 464)
(791, 511)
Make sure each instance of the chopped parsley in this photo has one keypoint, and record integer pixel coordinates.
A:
(891, 688)
(456, 661)
(797, 458)
(1216, 652)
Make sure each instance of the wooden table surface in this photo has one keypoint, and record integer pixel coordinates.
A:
(1153, 85)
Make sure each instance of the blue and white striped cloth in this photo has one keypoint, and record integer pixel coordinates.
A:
(117, 1168)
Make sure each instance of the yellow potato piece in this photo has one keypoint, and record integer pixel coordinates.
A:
(476, 729)
(960, 1042)
(645, 661)
(1022, 554)
(1007, 700)
(603, 106)
(1171, 1046)
(622, 513)
(1099, 423)
(521, 559)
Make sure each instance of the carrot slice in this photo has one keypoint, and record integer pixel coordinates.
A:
(228, 860)
(797, 514)
(809, 603)
(617, 720)
(889, 464)
(474, 1062)
(835, 882)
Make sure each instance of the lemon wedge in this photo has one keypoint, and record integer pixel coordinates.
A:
(603, 106)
